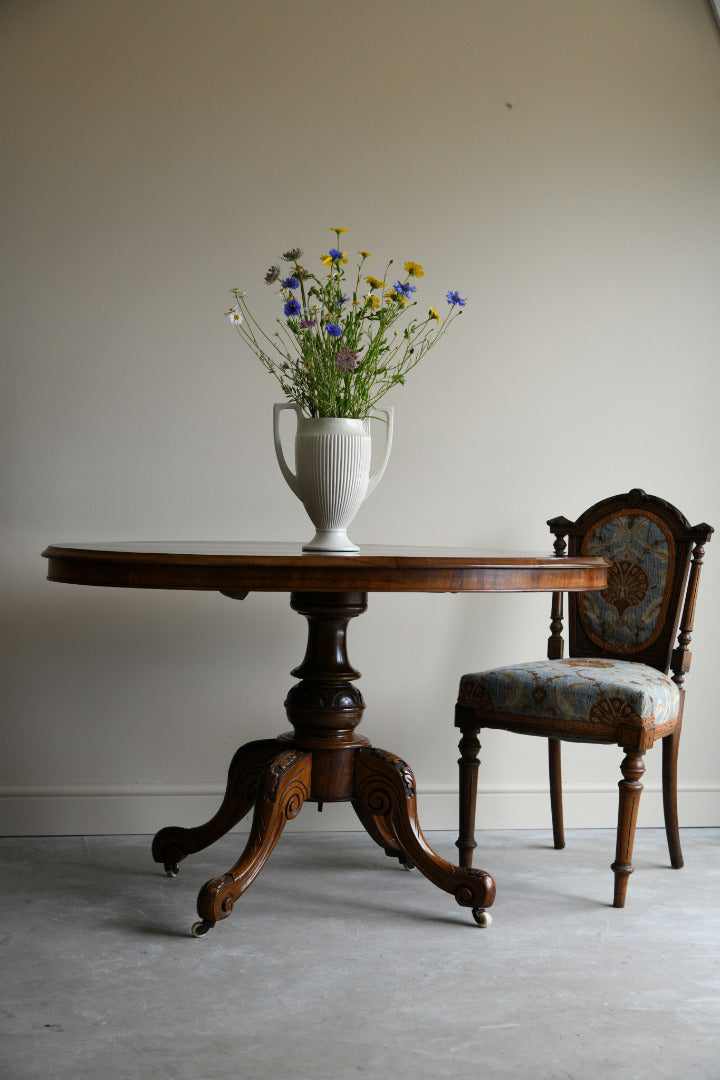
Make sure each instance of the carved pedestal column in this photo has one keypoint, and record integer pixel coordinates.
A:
(325, 707)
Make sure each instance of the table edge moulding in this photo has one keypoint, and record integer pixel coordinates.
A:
(279, 567)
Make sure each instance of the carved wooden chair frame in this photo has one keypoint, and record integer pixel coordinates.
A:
(667, 651)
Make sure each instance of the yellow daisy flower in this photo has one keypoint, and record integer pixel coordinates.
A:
(433, 314)
(414, 269)
(365, 254)
(374, 282)
(372, 302)
(337, 229)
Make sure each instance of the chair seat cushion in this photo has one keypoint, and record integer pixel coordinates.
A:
(591, 698)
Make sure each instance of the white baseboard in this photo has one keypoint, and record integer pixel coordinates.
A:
(144, 808)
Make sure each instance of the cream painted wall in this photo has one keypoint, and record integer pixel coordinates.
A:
(558, 162)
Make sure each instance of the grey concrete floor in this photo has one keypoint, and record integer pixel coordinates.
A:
(338, 964)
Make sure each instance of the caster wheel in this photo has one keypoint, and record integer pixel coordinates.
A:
(171, 869)
(406, 864)
(200, 929)
(481, 916)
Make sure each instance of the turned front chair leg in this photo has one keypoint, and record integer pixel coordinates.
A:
(630, 788)
(468, 762)
(669, 785)
(556, 796)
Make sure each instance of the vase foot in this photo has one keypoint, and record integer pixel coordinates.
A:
(329, 540)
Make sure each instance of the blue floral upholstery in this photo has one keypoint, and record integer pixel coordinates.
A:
(591, 697)
(628, 615)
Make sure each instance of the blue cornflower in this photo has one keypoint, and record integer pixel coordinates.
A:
(333, 329)
(292, 307)
(332, 257)
(290, 283)
(455, 298)
(404, 289)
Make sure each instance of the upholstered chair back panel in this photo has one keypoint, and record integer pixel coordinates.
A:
(627, 616)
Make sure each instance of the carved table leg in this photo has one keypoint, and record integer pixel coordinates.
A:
(384, 788)
(377, 827)
(282, 790)
(173, 843)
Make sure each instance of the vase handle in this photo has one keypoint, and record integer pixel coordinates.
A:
(284, 468)
(375, 478)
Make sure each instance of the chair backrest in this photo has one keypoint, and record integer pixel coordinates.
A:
(652, 584)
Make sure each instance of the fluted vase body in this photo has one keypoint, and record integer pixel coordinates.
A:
(332, 473)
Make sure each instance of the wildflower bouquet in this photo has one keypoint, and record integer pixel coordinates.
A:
(338, 354)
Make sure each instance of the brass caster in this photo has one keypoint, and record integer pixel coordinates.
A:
(200, 929)
(481, 916)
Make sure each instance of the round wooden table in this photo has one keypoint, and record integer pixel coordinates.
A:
(322, 759)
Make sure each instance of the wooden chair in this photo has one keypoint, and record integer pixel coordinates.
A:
(616, 686)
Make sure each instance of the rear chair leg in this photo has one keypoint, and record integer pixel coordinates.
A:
(669, 785)
(556, 798)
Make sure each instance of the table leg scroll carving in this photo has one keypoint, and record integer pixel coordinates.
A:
(283, 788)
(173, 843)
(384, 789)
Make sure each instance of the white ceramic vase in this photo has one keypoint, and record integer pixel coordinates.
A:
(332, 471)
